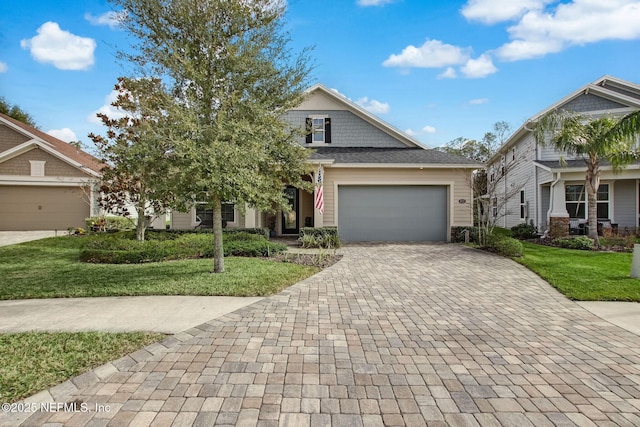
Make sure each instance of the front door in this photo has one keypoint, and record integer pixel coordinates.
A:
(290, 220)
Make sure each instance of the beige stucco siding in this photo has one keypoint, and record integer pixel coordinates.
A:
(456, 179)
(20, 165)
(9, 138)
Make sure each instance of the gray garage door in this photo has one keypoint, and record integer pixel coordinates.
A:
(392, 213)
(41, 208)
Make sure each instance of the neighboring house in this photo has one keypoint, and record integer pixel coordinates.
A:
(45, 183)
(379, 183)
(549, 188)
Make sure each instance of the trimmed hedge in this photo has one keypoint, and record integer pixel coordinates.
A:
(116, 249)
(579, 242)
(321, 237)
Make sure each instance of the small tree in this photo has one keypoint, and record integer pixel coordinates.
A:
(594, 140)
(16, 112)
(234, 79)
(137, 156)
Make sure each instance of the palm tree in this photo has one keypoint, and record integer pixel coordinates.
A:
(594, 139)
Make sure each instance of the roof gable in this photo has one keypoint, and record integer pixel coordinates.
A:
(60, 149)
(605, 95)
(320, 97)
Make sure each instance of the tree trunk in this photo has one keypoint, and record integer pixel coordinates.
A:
(592, 184)
(141, 224)
(218, 254)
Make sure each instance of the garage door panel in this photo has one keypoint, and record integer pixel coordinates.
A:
(392, 213)
(42, 208)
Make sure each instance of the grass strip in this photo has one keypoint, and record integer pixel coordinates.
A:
(34, 361)
(583, 275)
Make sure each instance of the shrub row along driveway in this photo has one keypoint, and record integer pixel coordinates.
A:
(393, 335)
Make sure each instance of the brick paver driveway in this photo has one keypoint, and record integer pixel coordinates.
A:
(392, 335)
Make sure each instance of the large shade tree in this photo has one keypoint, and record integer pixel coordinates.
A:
(606, 138)
(234, 78)
(137, 154)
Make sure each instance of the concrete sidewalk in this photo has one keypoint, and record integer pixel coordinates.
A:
(14, 237)
(623, 314)
(166, 314)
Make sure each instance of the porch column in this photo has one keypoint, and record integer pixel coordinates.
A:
(558, 215)
(249, 217)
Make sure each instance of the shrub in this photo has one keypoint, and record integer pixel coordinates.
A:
(579, 242)
(322, 237)
(509, 247)
(118, 249)
(505, 246)
(457, 234)
(524, 231)
(108, 223)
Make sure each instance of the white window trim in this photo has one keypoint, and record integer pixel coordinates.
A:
(609, 202)
(37, 167)
(318, 117)
(523, 204)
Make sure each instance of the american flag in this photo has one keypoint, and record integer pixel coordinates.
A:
(319, 199)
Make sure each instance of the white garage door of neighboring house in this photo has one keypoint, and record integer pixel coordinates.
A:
(392, 213)
(41, 208)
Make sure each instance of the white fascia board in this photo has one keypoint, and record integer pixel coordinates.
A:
(52, 181)
(405, 166)
(18, 150)
(321, 161)
(547, 168)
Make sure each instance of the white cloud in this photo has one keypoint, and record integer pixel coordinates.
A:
(108, 109)
(64, 50)
(576, 23)
(449, 73)
(112, 19)
(478, 101)
(374, 2)
(432, 54)
(428, 129)
(373, 106)
(64, 134)
(3, 67)
(478, 68)
(493, 11)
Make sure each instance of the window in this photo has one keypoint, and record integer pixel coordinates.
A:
(502, 166)
(523, 206)
(319, 130)
(494, 207)
(37, 167)
(513, 154)
(603, 201)
(492, 174)
(205, 214)
(576, 199)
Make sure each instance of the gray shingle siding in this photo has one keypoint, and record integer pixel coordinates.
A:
(590, 102)
(347, 129)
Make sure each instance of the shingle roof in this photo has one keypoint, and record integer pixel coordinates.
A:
(409, 155)
(62, 147)
(569, 164)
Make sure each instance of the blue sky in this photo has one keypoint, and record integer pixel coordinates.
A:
(437, 69)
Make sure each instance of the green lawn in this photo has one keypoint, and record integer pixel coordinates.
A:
(50, 268)
(584, 275)
(33, 361)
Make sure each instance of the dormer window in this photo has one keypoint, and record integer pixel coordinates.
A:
(319, 130)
